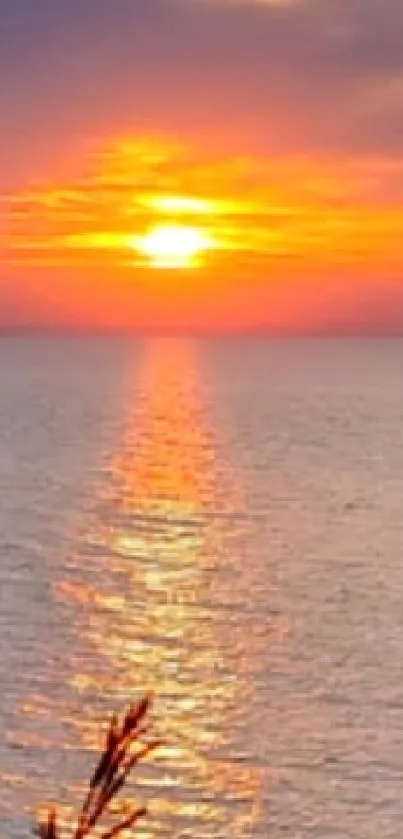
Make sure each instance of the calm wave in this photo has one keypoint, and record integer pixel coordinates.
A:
(219, 522)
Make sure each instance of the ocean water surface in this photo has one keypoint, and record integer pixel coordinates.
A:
(221, 523)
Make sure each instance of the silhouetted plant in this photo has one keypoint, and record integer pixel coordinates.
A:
(110, 775)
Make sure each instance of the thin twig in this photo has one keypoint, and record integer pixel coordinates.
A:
(111, 773)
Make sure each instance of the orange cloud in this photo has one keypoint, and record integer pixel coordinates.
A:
(237, 234)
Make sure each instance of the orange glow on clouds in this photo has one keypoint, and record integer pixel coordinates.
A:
(243, 230)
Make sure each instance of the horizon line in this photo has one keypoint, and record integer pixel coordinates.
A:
(48, 330)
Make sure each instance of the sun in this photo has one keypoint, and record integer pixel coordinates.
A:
(173, 245)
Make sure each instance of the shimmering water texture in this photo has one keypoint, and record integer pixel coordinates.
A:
(219, 524)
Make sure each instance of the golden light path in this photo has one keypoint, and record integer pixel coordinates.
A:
(145, 591)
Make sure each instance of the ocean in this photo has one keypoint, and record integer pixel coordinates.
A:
(218, 522)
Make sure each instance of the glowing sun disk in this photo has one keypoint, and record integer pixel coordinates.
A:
(173, 246)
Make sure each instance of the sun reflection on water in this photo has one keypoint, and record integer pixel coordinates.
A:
(140, 593)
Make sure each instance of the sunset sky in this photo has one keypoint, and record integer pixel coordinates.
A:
(202, 164)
